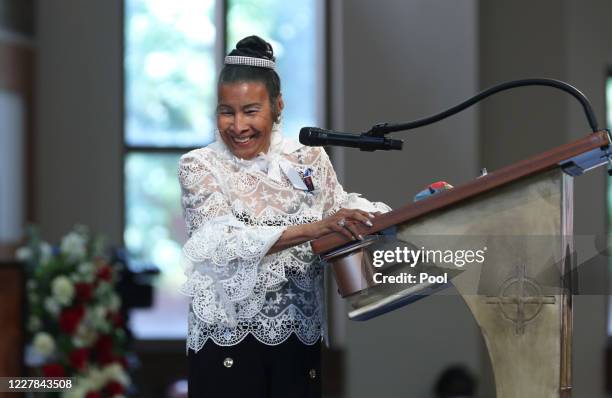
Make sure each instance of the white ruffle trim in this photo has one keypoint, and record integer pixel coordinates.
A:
(267, 330)
(228, 272)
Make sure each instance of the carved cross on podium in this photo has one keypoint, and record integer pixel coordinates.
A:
(524, 293)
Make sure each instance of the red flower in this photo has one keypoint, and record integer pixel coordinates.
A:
(114, 388)
(123, 361)
(78, 358)
(53, 370)
(104, 349)
(115, 318)
(69, 319)
(93, 394)
(84, 291)
(105, 273)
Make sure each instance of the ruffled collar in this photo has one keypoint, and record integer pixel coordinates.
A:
(271, 163)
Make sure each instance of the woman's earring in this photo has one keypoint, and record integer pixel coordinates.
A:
(277, 123)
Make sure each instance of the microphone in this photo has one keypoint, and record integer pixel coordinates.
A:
(314, 136)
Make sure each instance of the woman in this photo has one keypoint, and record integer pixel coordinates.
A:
(252, 201)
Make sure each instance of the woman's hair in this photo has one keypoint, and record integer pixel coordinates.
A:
(256, 47)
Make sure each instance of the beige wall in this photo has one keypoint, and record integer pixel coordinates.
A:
(404, 60)
(566, 40)
(419, 57)
(588, 58)
(78, 116)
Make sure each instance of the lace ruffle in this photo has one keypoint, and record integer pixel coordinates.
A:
(270, 330)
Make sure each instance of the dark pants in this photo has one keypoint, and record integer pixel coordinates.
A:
(255, 370)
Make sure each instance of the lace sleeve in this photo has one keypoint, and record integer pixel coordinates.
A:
(201, 196)
(228, 271)
(337, 198)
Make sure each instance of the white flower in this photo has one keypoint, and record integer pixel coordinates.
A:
(86, 268)
(76, 391)
(73, 246)
(62, 289)
(96, 317)
(85, 335)
(31, 284)
(99, 312)
(44, 343)
(114, 302)
(33, 323)
(95, 380)
(46, 252)
(104, 288)
(23, 253)
(52, 306)
(115, 371)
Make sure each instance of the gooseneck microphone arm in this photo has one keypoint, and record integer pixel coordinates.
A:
(380, 130)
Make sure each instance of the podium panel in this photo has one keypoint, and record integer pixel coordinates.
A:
(520, 294)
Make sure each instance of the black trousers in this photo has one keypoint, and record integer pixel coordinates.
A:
(255, 370)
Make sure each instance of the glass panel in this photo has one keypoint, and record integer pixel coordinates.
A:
(169, 72)
(154, 230)
(290, 26)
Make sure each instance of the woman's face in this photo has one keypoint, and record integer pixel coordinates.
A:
(244, 118)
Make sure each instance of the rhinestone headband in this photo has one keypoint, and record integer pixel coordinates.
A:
(250, 61)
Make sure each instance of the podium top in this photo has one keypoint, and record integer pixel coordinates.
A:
(574, 158)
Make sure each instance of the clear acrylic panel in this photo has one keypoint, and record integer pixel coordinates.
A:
(170, 72)
(291, 28)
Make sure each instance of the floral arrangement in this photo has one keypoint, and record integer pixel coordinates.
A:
(75, 324)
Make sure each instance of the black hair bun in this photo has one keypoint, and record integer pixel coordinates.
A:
(254, 46)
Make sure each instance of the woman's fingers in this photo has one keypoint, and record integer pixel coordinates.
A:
(347, 222)
(343, 230)
(354, 230)
(358, 215)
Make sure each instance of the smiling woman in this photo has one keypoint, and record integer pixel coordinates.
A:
(252, 201)
(245, 117)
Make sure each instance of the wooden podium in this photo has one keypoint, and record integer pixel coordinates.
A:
(520, 218)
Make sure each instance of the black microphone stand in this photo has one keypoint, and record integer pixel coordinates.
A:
(379, 130)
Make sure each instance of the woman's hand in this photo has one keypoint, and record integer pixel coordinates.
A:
(344, 221)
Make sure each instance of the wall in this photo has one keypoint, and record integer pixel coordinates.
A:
(565, 40)
(589, 59)
(78, 138)
(404, 60)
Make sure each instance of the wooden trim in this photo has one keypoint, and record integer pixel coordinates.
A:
(13, 76)
(536, 164)
(7, 252)
(12, 314)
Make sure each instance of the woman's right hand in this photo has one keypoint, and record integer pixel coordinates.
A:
(344, 221)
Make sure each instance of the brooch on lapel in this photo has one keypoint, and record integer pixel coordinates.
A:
(308, 179)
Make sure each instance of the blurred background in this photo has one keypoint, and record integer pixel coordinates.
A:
(99, 98)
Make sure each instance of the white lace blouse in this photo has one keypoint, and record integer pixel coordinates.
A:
(235, 210)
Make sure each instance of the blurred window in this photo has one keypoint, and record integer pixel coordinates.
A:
(170, 72)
